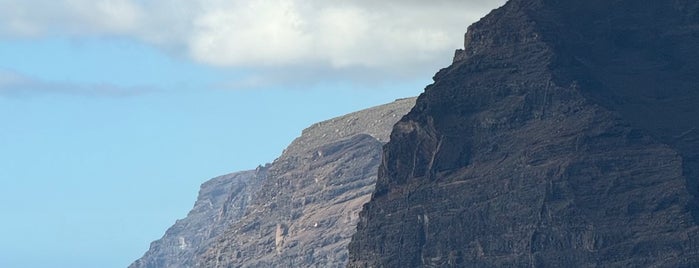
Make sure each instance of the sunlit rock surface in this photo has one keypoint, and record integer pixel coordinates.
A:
(299, 211)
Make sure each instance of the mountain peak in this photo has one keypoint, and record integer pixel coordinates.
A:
(563, 134)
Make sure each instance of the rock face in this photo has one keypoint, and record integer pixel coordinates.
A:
(564, 134)
(299, 211)
(221, 200)
(308, 206)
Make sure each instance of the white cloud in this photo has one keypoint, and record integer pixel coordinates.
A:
(270, 32)
(388, 36)
(33, 18)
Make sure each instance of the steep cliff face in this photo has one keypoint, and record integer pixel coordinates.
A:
(563, 134)
(307, 208)
(221, 200)
(300, 210)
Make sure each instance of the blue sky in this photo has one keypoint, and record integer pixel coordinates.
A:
(113, 112)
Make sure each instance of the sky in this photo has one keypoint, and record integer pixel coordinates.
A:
(113, 112)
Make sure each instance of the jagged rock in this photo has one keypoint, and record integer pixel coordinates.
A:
(221, 200)
(308, 206)
(564, 134)
(299, 211)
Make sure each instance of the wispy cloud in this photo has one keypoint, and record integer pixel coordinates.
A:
(34, 18)
(13, 84)
(396, 37)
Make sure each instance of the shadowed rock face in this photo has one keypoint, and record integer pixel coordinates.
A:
(299, 211)
(563, 134)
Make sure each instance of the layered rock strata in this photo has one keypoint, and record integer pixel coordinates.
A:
(299, 211)
(564, 134)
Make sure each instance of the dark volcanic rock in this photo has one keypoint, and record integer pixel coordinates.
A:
(564, 134)
(299, 211)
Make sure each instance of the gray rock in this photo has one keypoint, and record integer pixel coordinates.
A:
(308, 206)
(301, 210)
(221, 200)
(564, 134)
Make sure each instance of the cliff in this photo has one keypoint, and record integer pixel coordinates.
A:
(563, 134)
(299, 211)
(221, 200)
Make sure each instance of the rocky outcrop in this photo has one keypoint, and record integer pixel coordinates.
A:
(221, 200)
(307, 208)
(564, 134)
(299, 211)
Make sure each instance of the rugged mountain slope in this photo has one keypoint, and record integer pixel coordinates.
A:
(221, 200)
(300, 210)
(563, 134)
(308, 206)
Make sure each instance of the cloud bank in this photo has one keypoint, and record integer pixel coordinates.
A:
(14, 84)
(389, 36)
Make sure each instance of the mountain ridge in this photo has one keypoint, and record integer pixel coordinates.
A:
(274, 209)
